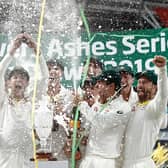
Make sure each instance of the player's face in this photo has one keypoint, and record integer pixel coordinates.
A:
(126, 79)
(144, 89)
(18, 83)
(104, 90)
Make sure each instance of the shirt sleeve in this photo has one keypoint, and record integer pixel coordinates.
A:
(3, 67)
(88, 112)
(42, 81)
(164, 121)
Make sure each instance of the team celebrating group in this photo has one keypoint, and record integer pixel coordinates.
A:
(119, 121)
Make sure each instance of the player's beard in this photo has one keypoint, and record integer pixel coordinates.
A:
(144, 95)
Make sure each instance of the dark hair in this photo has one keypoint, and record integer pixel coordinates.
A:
(17, 70)
(110, 76)
(55, 63)
(126, 68)
(88, 83)
(95, 62)
(150, 75)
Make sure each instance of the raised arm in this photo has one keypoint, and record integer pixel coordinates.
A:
(158, 105)
(5, 63)
(44, 74)
(43, 81)
(3, 67)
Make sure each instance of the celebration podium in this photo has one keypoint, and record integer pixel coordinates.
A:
(163, 137)
(52, 164)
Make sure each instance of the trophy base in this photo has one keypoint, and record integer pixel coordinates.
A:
(44, 156)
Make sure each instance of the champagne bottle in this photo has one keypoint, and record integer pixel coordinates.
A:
(72, 121)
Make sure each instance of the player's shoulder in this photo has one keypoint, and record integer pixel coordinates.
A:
(122, 107)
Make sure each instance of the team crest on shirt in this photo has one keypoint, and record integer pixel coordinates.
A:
(119, 112)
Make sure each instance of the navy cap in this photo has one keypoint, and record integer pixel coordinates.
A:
(150, 75)
(110, 76)
(126, 68)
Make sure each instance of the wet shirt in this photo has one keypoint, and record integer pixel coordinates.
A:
(145, 123)
(107, 127)
(15, 122)
(16, 135)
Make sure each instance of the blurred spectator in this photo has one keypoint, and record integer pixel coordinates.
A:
(127, 80)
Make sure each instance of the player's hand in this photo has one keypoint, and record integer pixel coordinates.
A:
(16, 44)
(159, 61)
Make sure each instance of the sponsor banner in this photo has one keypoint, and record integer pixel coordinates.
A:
(135, 48)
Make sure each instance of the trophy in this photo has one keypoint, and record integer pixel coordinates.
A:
(43, 126)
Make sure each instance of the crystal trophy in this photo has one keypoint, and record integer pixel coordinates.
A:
(43, 126)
